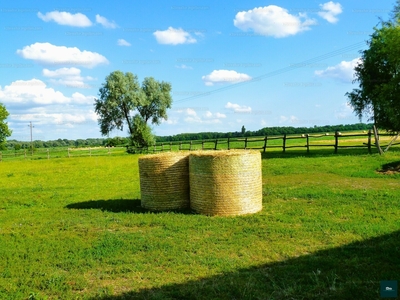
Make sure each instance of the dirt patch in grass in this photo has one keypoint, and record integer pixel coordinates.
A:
(390, 168)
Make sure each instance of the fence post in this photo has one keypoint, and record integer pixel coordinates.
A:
(48, 155)
(190, 147)
(265, 143)
(170, 146)
(162, 146)
(336, 141)
(369, 141)
(202, 145)
(245, 143)
(216, 142)
(180, 145)
(284, 143)
(308, 144)
(229, 148)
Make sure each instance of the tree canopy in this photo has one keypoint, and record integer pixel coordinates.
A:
(121, 96)
(4, 130)
(378, 75)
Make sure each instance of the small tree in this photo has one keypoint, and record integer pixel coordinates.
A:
(4, 130)
(243, 130)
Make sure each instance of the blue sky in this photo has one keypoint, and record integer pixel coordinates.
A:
(230, 63)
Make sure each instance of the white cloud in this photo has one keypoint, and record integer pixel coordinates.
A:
(330, 10)
(216, 115)
(291, 119)
(61, 72)
(345, 111)
(184, 67)
(43, 117)
(173, 36)
(103, 21)
(200, 120)
(69, 77)
(273, 21)
(35, 92)
(49, 54)
(224, 76)
(219, 115)
(343, 71)
(122, 42)
(187, 111)
(238, 108)
(66, 18)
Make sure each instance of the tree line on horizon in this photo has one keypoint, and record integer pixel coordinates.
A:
(124, 141)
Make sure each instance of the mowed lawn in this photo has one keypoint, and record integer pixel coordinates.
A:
(73, 228)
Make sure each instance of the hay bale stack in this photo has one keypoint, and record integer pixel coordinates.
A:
(164, 181)
(225, 182)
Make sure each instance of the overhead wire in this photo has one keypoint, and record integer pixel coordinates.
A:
(356, 46)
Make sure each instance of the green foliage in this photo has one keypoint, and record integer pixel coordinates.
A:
(141, 136)
(155, 101)
(378, 95)
(263, 132)
(4, 130)
(121, 95)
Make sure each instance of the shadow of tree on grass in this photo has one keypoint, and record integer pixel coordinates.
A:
(353, 271)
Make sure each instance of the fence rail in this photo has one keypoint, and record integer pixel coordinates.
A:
(59, 152)
(304, 141)
(232, 143)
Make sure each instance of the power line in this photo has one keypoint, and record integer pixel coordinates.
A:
(322, 57)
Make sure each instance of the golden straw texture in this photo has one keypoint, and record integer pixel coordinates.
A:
(164, 181)
(225, 182)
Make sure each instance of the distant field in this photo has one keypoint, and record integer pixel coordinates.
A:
(74, 229)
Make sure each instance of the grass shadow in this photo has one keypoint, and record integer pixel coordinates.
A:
(389, 168)
(352, 271)
(120, 205)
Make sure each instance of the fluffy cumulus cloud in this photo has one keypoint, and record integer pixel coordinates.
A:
(173, 36)
(103, 21)
(66, 18)
(343, 71)
(238, 108)
(330, 10)
(208, 117)
(272, 21)
(35, 92)
(69, 77)
(122, 42)
(224, 76)
(48, 54)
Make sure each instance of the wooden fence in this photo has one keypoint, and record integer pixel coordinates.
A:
(247, 141)
(264, 143)
(58, 152)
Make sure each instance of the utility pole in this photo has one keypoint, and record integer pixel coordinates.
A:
(30, 125)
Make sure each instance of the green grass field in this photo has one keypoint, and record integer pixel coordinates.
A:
(73, 228)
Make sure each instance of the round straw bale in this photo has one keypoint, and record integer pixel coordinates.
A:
(164, 181)
(225, 182)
